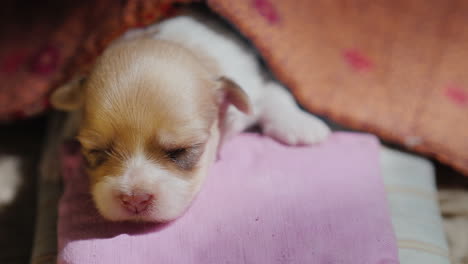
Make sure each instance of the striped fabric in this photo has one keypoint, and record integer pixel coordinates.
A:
(410, 184)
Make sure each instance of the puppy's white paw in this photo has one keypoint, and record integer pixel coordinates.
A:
(296, 128)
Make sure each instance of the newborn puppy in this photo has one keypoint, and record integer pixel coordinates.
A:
(158, 104)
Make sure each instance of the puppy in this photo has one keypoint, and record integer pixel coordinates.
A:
(158, 104)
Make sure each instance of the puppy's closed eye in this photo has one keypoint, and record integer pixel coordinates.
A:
(96, 157)
(185, 157)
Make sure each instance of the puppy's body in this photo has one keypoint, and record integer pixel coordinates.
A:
(158, 104)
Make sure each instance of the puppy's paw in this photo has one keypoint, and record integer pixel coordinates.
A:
(296, 128)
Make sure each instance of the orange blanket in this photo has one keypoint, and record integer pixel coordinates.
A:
(394, 68)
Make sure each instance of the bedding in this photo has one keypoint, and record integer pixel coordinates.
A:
(263, 202)
(409, 183)
(416, 217)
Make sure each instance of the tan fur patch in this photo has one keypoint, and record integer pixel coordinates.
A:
(149, 96)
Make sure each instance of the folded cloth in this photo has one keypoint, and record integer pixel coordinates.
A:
(417, 221)
(263, 202)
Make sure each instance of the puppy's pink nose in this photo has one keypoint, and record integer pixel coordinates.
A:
(136, 203)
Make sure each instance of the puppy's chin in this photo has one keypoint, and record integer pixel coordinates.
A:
(170, 194)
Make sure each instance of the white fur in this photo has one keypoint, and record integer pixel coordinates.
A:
(172, 193)
(273, 106)
(274, 109)
(144, 176)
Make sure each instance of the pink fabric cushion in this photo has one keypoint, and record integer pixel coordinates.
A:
(262, 203)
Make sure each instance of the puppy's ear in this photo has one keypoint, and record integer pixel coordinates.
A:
(230, 93)
(68, 97)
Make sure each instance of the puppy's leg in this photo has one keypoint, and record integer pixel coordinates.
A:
(284, 121)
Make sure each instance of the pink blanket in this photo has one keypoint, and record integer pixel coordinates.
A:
(262, 203)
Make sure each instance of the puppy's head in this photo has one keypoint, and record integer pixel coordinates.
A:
(149, 128)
